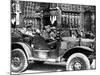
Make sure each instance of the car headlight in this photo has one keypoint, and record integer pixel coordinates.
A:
(32, 45)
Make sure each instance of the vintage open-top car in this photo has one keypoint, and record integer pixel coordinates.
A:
(74, 53)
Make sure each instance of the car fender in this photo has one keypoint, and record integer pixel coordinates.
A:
(77, 49)
(85, 47)
(27, 49)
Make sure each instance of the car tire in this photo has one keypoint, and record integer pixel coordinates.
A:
(77, 61)
(18, 60)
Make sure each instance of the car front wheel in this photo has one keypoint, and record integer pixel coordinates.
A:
(18, 60)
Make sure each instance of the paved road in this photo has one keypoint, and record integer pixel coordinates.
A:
(41, 68)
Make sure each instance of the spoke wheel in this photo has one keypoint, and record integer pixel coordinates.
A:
(18, 61)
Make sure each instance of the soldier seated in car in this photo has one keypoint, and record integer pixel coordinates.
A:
(49, 35)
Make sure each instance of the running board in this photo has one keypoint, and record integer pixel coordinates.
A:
(49, 61)
(45, 60)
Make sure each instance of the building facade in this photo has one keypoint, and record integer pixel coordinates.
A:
(69, 16)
